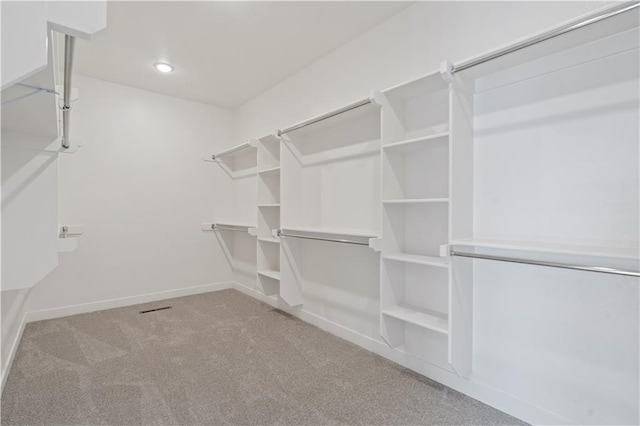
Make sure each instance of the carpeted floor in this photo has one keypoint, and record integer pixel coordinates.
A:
(215, 358)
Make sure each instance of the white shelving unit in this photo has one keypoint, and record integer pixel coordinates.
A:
(418, 298)
(515, 157)
(268, 247)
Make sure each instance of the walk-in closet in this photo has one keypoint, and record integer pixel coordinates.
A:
(314, 213)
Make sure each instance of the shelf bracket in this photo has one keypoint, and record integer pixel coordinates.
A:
(375, 244)
(68, 236)
(446, 71)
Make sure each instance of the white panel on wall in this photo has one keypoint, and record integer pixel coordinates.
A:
(557, 178)
(77, 18)
(24, 31)
(556, 157)
(565, 339)
(24, 40)
(29, 182)
(29, 217)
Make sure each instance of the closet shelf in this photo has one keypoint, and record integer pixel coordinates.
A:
(234, 150)
(270, 171)
(556, 248)
(440, 262)
(426, 84)
(334, 235)
(334, 118)
(250, 229)
(410, 143)
(416, 201)
(422, 318)
(269, 205)
(270, 274)
(269, 240)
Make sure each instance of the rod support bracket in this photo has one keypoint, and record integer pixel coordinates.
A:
(447, 69)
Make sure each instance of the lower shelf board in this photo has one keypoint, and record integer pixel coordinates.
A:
(422, 318)
(441, 262)
(270, 274)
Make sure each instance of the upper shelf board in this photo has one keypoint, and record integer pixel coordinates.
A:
(236, 150)
(217, 226)
(406, 145)
(430, 83)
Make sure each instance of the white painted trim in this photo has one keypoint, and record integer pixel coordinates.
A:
(66, 311)
(477, 390)
(14, 347)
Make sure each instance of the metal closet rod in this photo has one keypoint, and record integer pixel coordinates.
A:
(335, 240)
(325, 116)
(69, 44)
(548, 35)
(599, 269)
(231, 151)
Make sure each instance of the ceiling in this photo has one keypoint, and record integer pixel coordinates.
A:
(224, 53)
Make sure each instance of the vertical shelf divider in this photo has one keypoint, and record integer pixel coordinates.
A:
(426, 306)
(268, 212)
(461, 222)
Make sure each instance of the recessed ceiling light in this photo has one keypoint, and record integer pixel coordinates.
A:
(163, 67)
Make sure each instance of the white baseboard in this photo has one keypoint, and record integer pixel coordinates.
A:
(14, 347)
(493, 397)
(83, 308)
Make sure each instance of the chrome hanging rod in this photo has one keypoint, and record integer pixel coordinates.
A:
(325, 116)
(231, 150)
(289, 234)
(548, 35)
(69, 44)
(599, 269)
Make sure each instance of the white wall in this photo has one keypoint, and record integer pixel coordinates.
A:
(409, 45)
(141, 190)
(556, 160)
(406, 46)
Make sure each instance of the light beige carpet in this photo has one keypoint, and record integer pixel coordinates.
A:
(215, 358)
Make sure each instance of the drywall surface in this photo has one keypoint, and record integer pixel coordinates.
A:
(556, 161)
(411, 44)
(140, 188)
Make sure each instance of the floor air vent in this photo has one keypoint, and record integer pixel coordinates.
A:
(156, 309)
